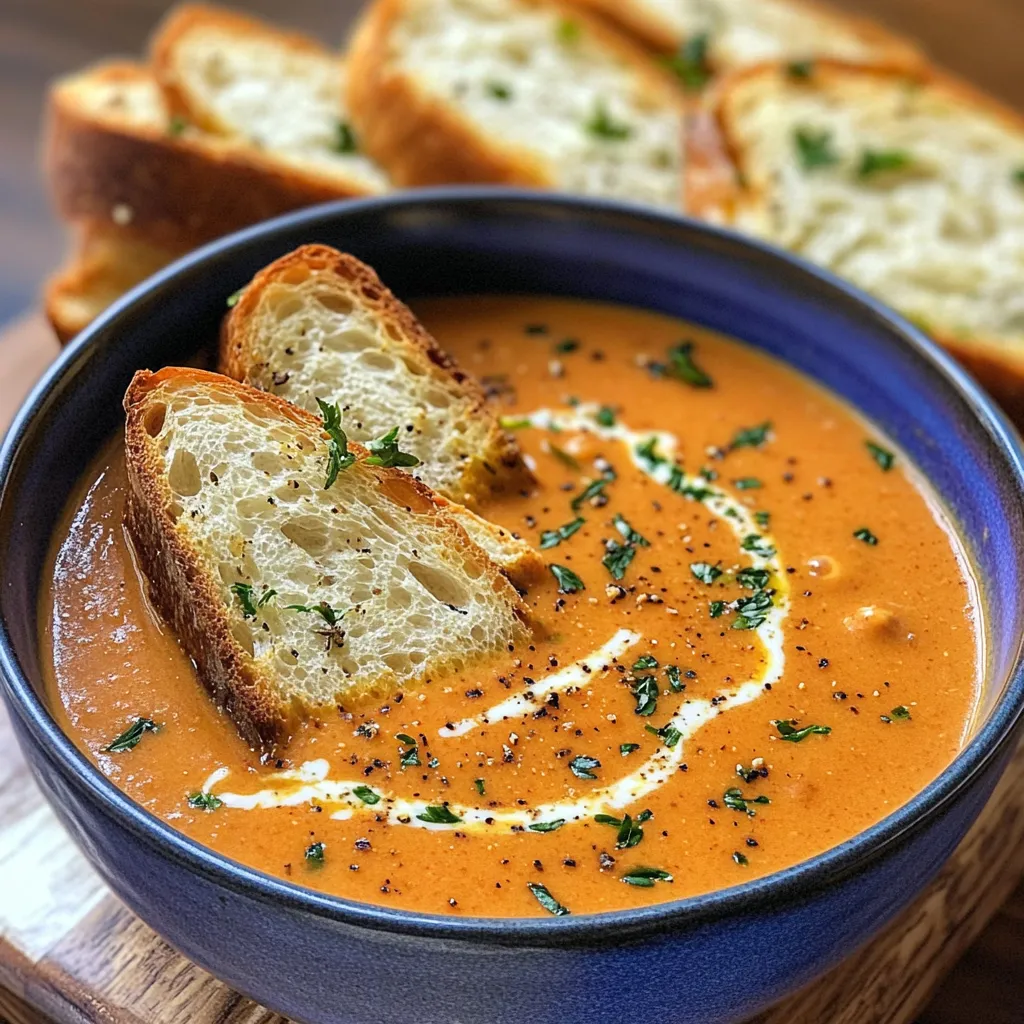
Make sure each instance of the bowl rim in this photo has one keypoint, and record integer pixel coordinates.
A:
(798, 882)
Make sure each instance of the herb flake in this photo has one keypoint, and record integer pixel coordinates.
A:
(387, 453)
(568, 581)
(581, 766)
(546, 900)
(129, 739)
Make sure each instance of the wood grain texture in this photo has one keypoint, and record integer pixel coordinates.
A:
(71, 953)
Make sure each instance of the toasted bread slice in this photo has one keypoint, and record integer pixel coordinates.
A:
(105, 262)
(727, 34)
(318, 323)
(281, 92)
(910, 185)
(513, 91)
(232, 524)
(115, 153)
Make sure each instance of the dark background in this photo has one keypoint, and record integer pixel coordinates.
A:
(41, 39)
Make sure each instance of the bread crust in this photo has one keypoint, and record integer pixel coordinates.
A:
(176, 26)
(642, 22)
(716, 188)
(103, 263)
(502, 465)
(178, 190)
(181, 587)
(419, 140)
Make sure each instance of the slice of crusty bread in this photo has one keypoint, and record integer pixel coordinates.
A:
(115, 152)
(909, 185)
(737, 33)
(280, 92)
(105, 262)
(227, 503)
(512, 91)
(319, 324)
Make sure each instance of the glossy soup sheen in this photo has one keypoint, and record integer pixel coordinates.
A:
(870, 634)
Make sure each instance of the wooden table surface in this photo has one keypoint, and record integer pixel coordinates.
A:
(40, 39)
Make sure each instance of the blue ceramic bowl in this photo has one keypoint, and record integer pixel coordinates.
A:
(714, 958)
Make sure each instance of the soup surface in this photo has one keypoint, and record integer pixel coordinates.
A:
(760, 637)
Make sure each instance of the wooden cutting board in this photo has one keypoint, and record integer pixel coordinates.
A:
(70, 952)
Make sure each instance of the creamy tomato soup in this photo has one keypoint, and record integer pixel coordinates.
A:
(758, 637)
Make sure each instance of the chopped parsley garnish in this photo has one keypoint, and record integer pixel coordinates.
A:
(603, 126)
(668, 734)
(762, 519)
(690, 64)
(747, 483)
(901, 713)
(408, 754)
(645, 690)
(438, 814)
(315, 855)
(233, 298)
(617, 558)
(814, 148)
(750, 437)
(546, 900)
(129, 739)
(682, 366)
(204, 801)
(386, 452)
(630, 832)
(479, 783)
(705, 572)
(514, 422)
(675, 680)
(566, 345)
(715, 608)
(882, 456)
(875, 161)
(591, 491)
(866, 535)
(645, 663)
(251, 604)
(568, 581)
(626, 749)
(627, 531)
(752, 610)
(740, 858)
(645, 877)
(499, 90)
(338, 455)
(800, 70)
(581, 766)
(552, 538)
(568, 31)
(605, 416)
(753, 579)
(367, 795)
(734, 799)
(788, 731)
(1018, 175)
(344, 138)
(176, 125)
(546, 826)
(323, 609)
(647, 451)
(755, 544)
(536, 329)
(563, 456)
